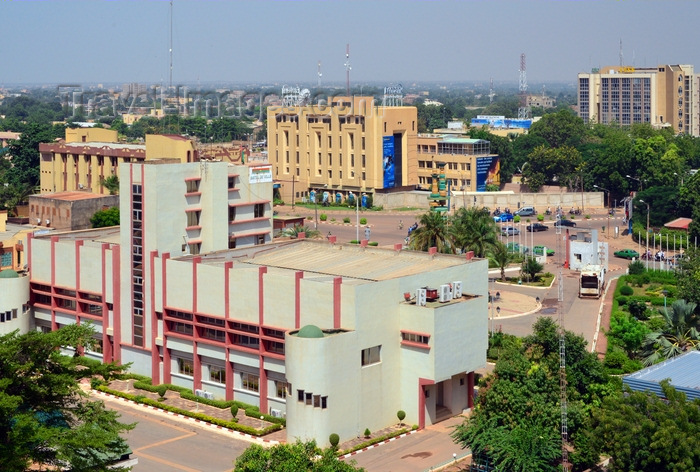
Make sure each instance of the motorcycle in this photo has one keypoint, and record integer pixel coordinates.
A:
(574, 211)
(496, 212)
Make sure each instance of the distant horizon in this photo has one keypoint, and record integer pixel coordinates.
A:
(392, 41)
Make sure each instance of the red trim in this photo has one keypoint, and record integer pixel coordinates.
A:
(191, 179)
(263, 385)
(248, 235)
(229, 373)
(155, 355)
(197, 374)
(227, 293)
(248, 203)
(234, 175)
(193, 228)
(415, 332)
(415, 344)
(116, 302)
(336, 302)
(250, 220)
(189, 210)
(421, 400)
(194, 241)
(470, 389)
(297, 299)
(164, 289)
(193, 194)
(234, 189)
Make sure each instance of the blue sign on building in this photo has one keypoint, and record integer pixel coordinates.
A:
(388, 163)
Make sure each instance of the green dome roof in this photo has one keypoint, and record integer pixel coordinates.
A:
(310, 331)
(8, 274)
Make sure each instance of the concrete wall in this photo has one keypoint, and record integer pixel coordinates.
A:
(589, 201)
(15, 294)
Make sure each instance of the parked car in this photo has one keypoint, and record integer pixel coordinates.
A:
(526, 211)
(537, 227)
(627, 254)
(563, 222)
(503, 217)
(510, 231)
(515, 247)
(538, 250)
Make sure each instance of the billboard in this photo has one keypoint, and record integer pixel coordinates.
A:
(260, 174)
(488, 170)
(388, 164)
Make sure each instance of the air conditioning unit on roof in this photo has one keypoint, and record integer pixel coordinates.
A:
(274, 412)
(421, 297)
(457, 289)
(445, 294)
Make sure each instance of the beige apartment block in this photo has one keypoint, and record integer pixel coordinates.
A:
(663, 96)
(89, 155)
(348, 145)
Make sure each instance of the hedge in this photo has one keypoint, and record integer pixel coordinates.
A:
(231, 424)
(376, 440)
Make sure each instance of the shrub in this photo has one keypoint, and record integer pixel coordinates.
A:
(540, 217)
(637, 309)
(656, 324)
(401, 415)
(346, 220)
(334, 439)
(95, 382)
(636, 267)
(323, 217)
(373, 243)
(644, 278)
(161, 390)
(309, 217)
(363, 221)
(234, 410)
(332, 220)
(368, 433)
(621, 300)
(516, 219)
(615, 360)
(626, 290)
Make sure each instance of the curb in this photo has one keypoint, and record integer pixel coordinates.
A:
(386, 441)
(249, 437)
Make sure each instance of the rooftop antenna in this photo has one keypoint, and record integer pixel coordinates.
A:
(524, 110)
(319, 74)
(622, 59)
(491, 92)
(347, 69)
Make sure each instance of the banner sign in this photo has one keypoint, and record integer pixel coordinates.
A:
(487, 172)
(388, 162)
(260, 174)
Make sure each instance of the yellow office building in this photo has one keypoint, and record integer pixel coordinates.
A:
(349, 145)
(89, 155)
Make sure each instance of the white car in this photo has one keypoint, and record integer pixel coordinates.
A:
(510, 231)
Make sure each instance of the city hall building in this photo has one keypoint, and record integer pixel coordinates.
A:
(191, 290)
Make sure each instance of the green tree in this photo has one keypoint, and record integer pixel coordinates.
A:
(104, 218)
(45, 418)
(502, 257)
(111, 183)
(644, 433)
(560, 129)
(677, 336)
(432, 231)
(297, 456)
(473, 229)
(560, 166)
(294, 232)
(13, 195)
(531, 268)
(25, 154)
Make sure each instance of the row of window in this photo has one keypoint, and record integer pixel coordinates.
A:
(308, 398)
(8, 315)
(463, 166)
(217, 374)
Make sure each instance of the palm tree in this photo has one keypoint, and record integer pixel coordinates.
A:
(294, 232)
(474, 230)
(678, 336)
(431, 232)
(502, 257)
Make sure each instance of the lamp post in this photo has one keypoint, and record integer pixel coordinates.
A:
(641, 182)
(642, 201)
(608, 191)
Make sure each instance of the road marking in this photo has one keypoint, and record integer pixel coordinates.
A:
(168, 463)
(165, 441)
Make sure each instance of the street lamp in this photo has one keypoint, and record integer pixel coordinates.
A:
(641, 182)
(642, 201)
(608, 191)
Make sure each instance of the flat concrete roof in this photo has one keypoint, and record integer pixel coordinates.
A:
(70, 196)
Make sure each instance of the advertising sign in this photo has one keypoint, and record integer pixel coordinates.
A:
(487, 172)
(388, 163)
(260, 174)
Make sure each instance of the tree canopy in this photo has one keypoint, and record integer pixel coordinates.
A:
(45, 418)
(294, 457)
(104, 218)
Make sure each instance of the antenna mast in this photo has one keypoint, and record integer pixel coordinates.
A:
(171, 45)
(622, 59)
(524, 110)
(319, 74)
(562, 357)
(347, 69)
(491, 92)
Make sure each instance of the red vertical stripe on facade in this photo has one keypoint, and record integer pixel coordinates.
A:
(421, 401)
(227, 294)
(197, 381)
(116, 302)
(336, 302)
(155, 354)
(229, 376)
(107, 347)
(297, 299)
(263, 385)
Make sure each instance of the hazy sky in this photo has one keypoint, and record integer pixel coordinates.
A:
(390, 41)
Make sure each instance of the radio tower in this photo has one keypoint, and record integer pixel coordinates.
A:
(319, 74)
(347, 69)
(491, 92)
(524, 110)
(562, 360)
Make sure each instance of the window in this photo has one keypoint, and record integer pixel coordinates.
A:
(371, 355)
(231, 213)
(246, 341)
(181, 328)
(231, 182)
(185, 366)
(192, 186)
(324, 402)
(415, 337)
(193, 218)
(217, 374)
(330, 159)
(300, 395)
(281, 389)
(307, 398)
(317, 401)
(248, 328)
(363, 161)
(214, 334)
(260, 239)
(259, 210)
(250, 382)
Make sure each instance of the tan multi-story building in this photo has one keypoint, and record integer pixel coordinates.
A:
(350, 145)
(469, 164)
(89, 155)
(663, 96)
